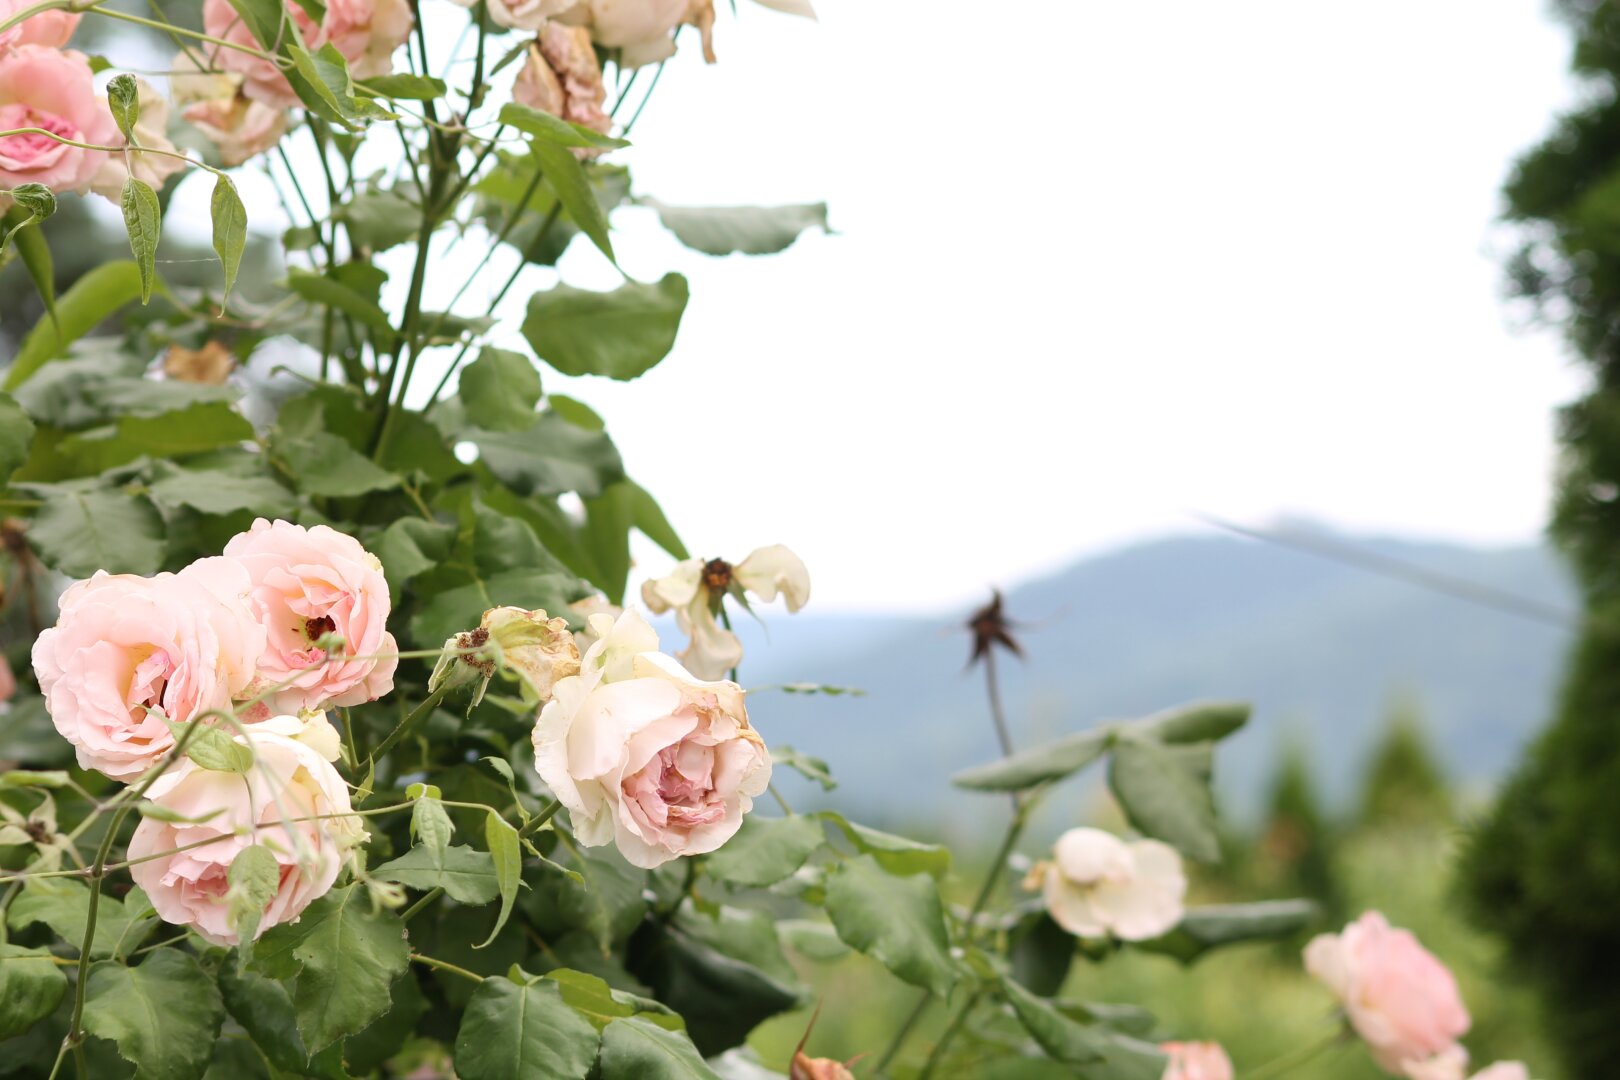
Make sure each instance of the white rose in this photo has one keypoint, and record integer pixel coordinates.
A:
(694, 588)
(1097, 885)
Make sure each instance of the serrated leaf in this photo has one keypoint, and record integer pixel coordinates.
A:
(230, 228)
(465, 873)
(550, 457)
(811, 768)
(143, 220)
(64, 906)
(251, 884)
(620, 334)
(31, 986)
(124, 99)
(1038, 765)
(1201, 721)
(409, 547)
(211, 491)
(265, 1010)
(635, 1048)
(344, 957)
(515, 1031)
(212, 748)
(343, 297)
(898, 921)
(430, 824)
(79, 532)
(554, 129)
(406, 87)
(163, 1015)
(326, 465)
(766, 850)
(745, 230)
(499, 391)
(34, 204)
(573, 189)
(1165, 793)
(507, 851)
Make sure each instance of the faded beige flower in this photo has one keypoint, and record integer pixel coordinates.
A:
(538, 649)
(562, 76)
(694, 590)
(209, 364)
(1097, 885)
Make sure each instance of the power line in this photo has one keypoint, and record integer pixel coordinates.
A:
(1389, 566)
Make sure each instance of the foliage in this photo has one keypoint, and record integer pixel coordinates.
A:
(1546, 863)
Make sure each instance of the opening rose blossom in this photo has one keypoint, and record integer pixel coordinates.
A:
(1400, 999)
(128, 652)
(279, 803)
(1196, 1061)
(643, 754)
(306, 583)
(1097, 884)
(53, 91)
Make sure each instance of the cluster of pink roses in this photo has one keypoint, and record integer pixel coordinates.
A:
(242, 643)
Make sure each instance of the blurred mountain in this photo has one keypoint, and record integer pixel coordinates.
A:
(1321, 648)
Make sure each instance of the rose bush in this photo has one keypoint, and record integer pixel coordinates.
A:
(316, 646)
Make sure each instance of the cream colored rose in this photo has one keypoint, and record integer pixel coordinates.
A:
(643, 754)
(1097, 885)
(291, 801)
(694, 589)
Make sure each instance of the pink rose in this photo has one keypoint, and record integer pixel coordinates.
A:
(1098, 885)
(233, 811)
(1196, 1061)
(45, 88)
(261, 80)
(307, 583)
(1452, 1064)
(1401, 1000)
(49, 28)
(238, 127)
(367, 32)
(643, 754)
(128, 651)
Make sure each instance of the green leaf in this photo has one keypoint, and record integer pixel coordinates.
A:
(507, 851)
(79, 532)
(406, 87)
(265, 1010)
(379, 220)
(766, 850)
(1214, 925)
(635, 1048)
(64, 906)
(453, 610)
(467, 874)
(554, 129)
(746, 230)
(1164, 791)
(499, 391)
(1037, 765)
(97, 294)
(811, 768)
(619, 334)
(212, 491)
(430, 824)
(1040, 952)
(550, 458)
(573, 189)
(1097, 1053)
(123, 97)
(16, 434)
(325, 465)
(143, 219)
(29, 240)
(515, 1031)
(211, 748)
(896, 854)
(340, 296)
(363, 1054)
(163, 1015)
(409, 547)
(251, 884)
(898, 921)
(592, 997)
(31, 987)
(1201, 721)
(322, 82)
(344, 956)
(230, 228)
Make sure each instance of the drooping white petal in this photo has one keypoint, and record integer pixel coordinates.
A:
(1085, 856)
(675, 589)
(714, 650)
(773, 569)
(618, 641)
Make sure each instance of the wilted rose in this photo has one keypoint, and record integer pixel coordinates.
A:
(804, 1067)
(127, 652)
(281, 803)
(1097, 884)
(308, 583)
(538, 649)
(1400, 999)
(643, 754)
(562, 76)
(694, 589)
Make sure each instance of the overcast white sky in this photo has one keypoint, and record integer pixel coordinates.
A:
(1096, 263)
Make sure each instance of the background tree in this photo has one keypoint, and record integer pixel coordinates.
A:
(1544, 869)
